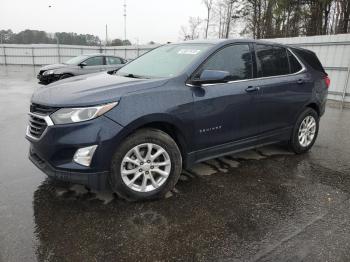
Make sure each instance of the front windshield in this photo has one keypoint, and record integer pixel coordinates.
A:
(165, 61)
(75, 60)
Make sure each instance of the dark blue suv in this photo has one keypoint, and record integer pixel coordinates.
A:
(176, 105)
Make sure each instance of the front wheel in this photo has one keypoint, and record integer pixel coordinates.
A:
(305, 131)
(146, 165)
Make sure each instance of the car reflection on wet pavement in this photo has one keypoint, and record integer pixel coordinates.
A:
(260, 205)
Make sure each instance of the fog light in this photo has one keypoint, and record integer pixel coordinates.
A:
(84, 155)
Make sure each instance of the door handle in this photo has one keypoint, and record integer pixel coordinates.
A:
(300, 81)
(252, 89)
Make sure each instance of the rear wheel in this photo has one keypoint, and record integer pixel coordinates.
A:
(146, 165)
(305, 131)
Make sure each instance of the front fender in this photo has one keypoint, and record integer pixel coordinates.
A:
(176, 124)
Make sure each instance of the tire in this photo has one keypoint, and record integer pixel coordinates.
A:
(296, 143)
(64, 76)
(160, 184)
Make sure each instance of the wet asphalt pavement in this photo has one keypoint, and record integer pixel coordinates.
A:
(262, 205)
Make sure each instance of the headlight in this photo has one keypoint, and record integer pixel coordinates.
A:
(48, 72)
(74, 115)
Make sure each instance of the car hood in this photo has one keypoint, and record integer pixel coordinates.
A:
(53, 66)
(92, 89)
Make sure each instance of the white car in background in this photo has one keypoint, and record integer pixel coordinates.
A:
(80, 65)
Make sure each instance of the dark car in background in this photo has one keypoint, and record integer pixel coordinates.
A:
(80, 65)
(174, 106)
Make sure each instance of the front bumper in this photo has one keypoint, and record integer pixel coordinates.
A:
(47, 79)
(53, 152)
(98, 180)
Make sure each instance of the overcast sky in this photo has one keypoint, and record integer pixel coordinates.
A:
(156, 20)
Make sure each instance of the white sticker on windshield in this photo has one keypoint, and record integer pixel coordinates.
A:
(188, 51)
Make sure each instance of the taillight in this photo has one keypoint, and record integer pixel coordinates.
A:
(327, 81)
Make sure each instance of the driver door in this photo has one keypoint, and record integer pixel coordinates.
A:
(227, 112)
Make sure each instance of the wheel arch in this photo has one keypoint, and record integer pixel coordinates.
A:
(167, 124)
(310, 104)
(315, 107)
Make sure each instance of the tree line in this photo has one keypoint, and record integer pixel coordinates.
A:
(65, 38)
(269, 19)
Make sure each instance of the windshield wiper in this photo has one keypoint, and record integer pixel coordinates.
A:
(134, 76)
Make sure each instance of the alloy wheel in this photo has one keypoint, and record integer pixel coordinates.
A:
(145, 167)
(307, 131)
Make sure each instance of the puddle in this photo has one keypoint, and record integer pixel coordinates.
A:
(207, 168)
(76, 191)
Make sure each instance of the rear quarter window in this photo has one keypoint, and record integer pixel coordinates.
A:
(310, 58)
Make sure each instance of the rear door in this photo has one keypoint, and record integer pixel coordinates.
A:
(226, 112)
(285, 87)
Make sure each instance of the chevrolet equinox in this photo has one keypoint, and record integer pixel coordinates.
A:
(174, 106)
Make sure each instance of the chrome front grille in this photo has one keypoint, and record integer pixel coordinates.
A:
(39, 120)
(37, 126)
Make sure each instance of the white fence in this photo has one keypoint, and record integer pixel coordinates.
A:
(52, 54)
(334, 54)
(333, 51)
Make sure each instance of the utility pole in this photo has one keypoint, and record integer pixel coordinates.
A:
(58, 47)
(137, 46)
(106, 36)
(124, 20)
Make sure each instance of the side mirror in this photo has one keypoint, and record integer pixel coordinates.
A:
(211, 77)
(82, 64)
(112, 72)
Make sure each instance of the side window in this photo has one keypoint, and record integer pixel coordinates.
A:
(111, 60)
(94, 61)
(295, 66)
(236, 59)
(271, 60)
